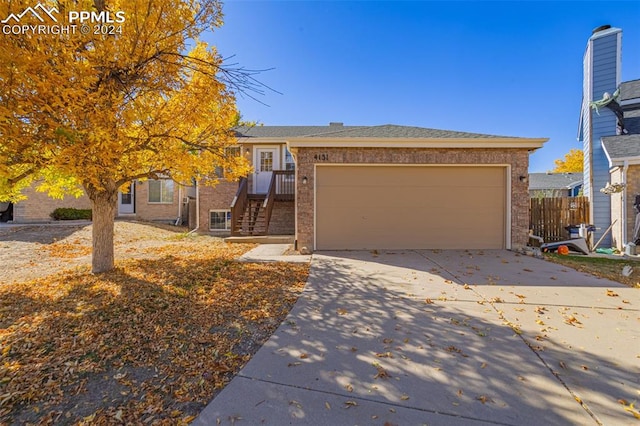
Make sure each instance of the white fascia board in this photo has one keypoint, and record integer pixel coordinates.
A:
(604, 148)
(262, 141)
(620, 161)
(522, 143)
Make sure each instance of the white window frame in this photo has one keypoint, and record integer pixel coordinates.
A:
(227, 221)
(284, 156)
(163, 183)
(221, 172)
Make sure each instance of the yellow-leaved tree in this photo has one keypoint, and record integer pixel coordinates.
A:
(95, 111)
(573, 162)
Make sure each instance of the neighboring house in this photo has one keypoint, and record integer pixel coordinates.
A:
(610, 132)
(544, 185)
(157, 200)
(151, 200)
(623, 155)
(368, 187)
(38, 206)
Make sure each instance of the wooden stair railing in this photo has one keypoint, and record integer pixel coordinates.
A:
(251, 213)
(267, 206)
(238, 206)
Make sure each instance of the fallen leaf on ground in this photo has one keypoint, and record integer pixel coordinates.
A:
(484, 399)
(162, 333)
(382, 373)
(571, 320)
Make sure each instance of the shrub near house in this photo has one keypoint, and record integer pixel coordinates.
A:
(71, 214)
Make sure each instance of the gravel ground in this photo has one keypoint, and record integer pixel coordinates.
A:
(33, 251)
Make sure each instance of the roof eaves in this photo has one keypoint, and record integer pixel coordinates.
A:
(368, 142)
(606, 152)
(615, 161)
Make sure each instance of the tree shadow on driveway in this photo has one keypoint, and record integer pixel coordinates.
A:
(412, 334)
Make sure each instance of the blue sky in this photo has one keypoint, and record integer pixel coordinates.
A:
(505, 67)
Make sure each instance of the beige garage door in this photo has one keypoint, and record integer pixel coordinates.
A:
(394, 207)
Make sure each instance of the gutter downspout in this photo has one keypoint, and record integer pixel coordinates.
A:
(197, 209)
(179, 219)
(624, 203)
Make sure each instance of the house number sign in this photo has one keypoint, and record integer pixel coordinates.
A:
(321, 157)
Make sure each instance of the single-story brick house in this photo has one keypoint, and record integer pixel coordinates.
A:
(349, 187)
(368, 187)
(159, 200)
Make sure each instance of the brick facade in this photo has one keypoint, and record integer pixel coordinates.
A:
(38, 206)
(283, 220)
(218, 197)
(157, 212)
(518, 159)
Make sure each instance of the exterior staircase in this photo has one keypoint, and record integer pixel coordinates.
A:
(253, 220)
(251, 213)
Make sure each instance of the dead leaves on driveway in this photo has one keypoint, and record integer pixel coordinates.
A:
(150, 342)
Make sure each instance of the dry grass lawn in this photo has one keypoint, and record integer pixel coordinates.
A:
(602, 267)
(149, 343)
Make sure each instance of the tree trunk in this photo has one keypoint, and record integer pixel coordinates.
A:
(104, 204)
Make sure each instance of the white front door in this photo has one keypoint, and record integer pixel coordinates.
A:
(126, 201)
(266, 160)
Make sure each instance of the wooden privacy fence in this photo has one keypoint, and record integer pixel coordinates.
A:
(550, 216)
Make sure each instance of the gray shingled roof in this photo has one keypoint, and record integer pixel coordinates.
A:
(538, 181)
(624, 146)
(390, 131)
(630, 90)
(286, 131)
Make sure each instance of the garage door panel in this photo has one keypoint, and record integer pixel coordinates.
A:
(364, 207)
(413, 197)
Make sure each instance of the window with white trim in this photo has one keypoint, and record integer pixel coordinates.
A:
(230, 151)
(161, 191)
(289, 164)
(219, 220)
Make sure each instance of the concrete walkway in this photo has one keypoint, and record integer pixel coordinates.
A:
(443, 338)
(273, 253)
